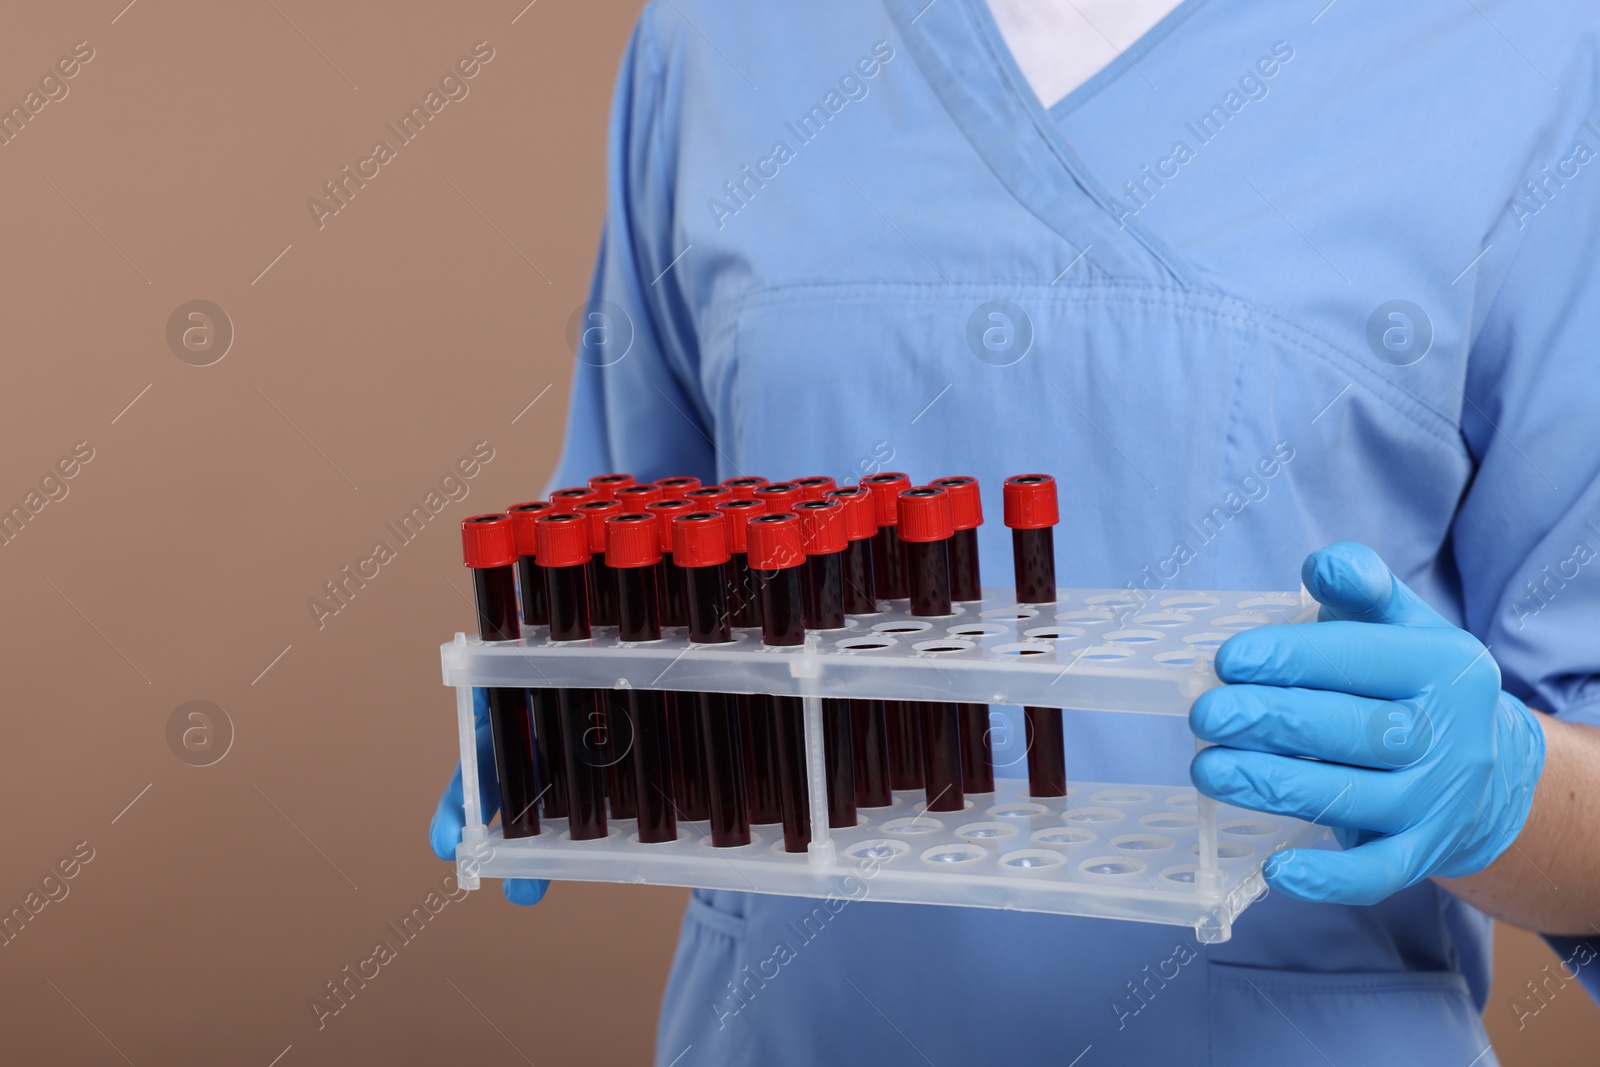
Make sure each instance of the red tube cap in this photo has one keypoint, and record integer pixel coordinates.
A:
(823, 527)
(744, 485)
(597, 512)
(708, 497)
(885, 488)
(566, 500)
(488, 541)
(665, 511)
(739, 513)
(966, 504)
(635, 498)
(925, 515)
(522, 516)
(563, 539)
(673, 488)
(700, 539)
(814, 486)
(1030, 501)
(632, 541)
(861, 513)
(776, 542)
(779, 497)
(608, 484)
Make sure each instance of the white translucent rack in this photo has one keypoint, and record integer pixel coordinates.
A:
(1107, 850)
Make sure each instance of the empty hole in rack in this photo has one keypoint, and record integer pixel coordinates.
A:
(1061, 835)
(1249, 827)
(1093, 815)
(1110, 865)
(943, 644)
(1133, 637)
(1270, 600)
(919, 824)
(1019, 611)
(1183, 873)
(901, 626)
(1207, 640)
(1163, 618)
(1032, 858)
(953, 854)
(984, 831)
(1177, 659)
(1112, 601)
(1088, 618)
(1106, 652)
(1169, 820)
(1239, 622)
(1120, 796)
(880, 848)
(1183, 800)
(1190, 602)
(1024, 648)
(1054, 633)
(1142, 842)
(1017, 811)
(975, 629)
(864, 642)
(1226, 850)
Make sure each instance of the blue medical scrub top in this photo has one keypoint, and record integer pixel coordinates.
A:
(1276, 278)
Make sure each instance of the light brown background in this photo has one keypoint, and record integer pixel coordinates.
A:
(369, 357)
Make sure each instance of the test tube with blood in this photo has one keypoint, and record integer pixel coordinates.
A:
(966, 586)
(608, 484)
(889, 572)
(744, 485)
(1031, 511)
(925, 529)
(633, 550)
(700, 547)
(489, 548)
(777, 551)
(563, 552)
(823, 529)
(755, 709)
(814, 486)
(779, 497)
(694, 790)
(866, 716)
(548, 744)
(616, 741)
(566, 500)
(673, 488)
(635, 498)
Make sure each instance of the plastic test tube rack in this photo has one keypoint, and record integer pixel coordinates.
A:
(1107, 850)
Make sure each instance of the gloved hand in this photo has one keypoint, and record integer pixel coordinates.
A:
(444, 833)
(1428, 768)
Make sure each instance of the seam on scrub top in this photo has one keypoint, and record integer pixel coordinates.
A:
(709, 915)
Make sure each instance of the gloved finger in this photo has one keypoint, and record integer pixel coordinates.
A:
(444, 832)
(1336, 727)
(1365, 874)
(526, 892)
(1363, 658)
(1353, 583)
(1329, 794)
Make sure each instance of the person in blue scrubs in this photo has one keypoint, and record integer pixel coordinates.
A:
(1278, 288)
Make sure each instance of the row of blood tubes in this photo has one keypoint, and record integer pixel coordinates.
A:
(780, 558)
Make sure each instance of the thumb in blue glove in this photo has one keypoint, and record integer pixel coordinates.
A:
(444, 833)
(1380, 720)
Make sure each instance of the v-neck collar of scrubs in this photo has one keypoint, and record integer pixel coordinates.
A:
(959, 49)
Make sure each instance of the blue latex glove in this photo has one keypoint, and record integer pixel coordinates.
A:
(1428, 768)
(444, 833)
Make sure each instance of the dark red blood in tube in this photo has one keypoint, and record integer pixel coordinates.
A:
(925, 529)
(635, 498)
(777, 551)
(602, 583)
(744, 485)
(700, 546)
(566, 500)
(633, 548)
(889, 572)
(674, 593)
(673, 488)
(564, 556)
(966, 586)
(868, 727)
(814, 486)
(489, 548)
(824, 527)
(548, 744)
(616, 739)
(694, 787)
(1031, 512)
(608, 484)
(744, 605)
